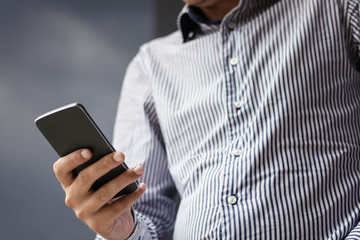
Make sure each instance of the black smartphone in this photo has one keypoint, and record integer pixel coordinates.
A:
(70, 128)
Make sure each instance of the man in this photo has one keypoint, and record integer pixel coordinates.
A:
(251, 113)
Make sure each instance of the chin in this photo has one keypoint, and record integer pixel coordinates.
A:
(197, 3)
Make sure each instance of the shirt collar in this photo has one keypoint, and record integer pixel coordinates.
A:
(192, 21)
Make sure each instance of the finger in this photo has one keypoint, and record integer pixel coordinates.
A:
(117, 208)
(78, 193)
(89, 175)
(104, 194)
(117, 214)
(64, 166)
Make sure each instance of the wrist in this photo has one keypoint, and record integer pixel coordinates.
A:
(134, 221)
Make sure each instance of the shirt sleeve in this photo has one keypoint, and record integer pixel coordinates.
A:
(138, 135)
(353, 10)
(352, 22)
(354, 234)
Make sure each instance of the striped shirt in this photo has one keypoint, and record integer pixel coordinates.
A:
(254, 122)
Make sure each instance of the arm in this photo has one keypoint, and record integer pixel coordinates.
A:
(137, 133)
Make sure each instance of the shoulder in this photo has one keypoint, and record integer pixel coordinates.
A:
(151, 50)
(174, 38)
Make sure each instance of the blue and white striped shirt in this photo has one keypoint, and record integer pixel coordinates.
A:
(254, 122)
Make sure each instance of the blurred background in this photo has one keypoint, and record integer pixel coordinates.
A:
(54, 52)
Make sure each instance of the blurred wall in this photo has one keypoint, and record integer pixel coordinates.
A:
(54, 52)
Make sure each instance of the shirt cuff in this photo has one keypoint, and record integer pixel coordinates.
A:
(140, 230)
(354, 234)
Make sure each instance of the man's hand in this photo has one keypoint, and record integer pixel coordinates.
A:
(111, 219)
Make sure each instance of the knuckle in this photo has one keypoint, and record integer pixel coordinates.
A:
(107, 162)
(119, 183)
(57, 169)
(103, 195)
(69, 201)
(74, 157)
(80, 214)
(124, 179)
(83, 177)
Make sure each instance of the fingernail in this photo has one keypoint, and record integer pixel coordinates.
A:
(85, 154)
(142, 186)
(139, 170)
(118, 157)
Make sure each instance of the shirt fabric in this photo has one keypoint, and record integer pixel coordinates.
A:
(254, 122)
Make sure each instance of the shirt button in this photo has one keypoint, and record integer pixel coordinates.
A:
(238, 104)
(232, 199)
(191, 35)
(234, 61)
(237, 152)
(231, 25)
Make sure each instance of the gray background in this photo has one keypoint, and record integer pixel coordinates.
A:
(54, 52)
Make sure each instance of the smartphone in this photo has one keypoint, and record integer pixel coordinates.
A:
(70, 128)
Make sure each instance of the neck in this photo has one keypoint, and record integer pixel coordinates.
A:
(218, 11)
